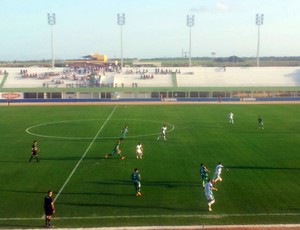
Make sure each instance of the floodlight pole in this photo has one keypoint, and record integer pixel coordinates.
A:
(52, 22)
(121, 22)
(259, 21)
(190, 21)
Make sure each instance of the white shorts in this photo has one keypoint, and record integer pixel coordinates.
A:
(217, 175)
(210, 198)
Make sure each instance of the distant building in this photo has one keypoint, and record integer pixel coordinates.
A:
(91, 59)
(96, 57)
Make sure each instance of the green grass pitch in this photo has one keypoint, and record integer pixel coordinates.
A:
(261, 187)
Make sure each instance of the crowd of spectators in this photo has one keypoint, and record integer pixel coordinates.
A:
(46, 75)
(166, 71)
(156, 71)
(147, 76)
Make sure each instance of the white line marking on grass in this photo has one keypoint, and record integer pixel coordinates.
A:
(28, 130)
(204, 216)
(84, 154)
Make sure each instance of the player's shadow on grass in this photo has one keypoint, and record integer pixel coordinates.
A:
(171, 184)
(83, 140)
(24, 191)
(261, 168)
(97, 193)
(165, 184)
(111, 182)
(62, 158)
(133, 206)
(17, 161)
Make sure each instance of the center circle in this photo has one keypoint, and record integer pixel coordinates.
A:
(62, 129)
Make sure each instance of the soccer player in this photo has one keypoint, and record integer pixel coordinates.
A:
(116, 150)
(208, 189)
(48, 208)
(204, 174)
(163, 130)
(230, 116)
(260, 122)
(123, 133)
(136, 179)
(217, 174)
(139, 150)
(34, 150)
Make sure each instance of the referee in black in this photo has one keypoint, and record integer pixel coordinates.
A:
(48, 208)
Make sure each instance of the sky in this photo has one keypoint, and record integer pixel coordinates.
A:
(153, 28)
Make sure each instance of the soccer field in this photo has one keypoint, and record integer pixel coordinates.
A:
(261, 186)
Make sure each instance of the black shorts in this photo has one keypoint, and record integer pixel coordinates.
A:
(48, 211)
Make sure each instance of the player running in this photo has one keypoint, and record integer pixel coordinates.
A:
(123, 133)
(34, 150)
(217, 174)
(204, 174)
(163, 131)
(139, 151)
(116, 150)
(208, 189)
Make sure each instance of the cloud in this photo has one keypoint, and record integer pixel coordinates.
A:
(222, 7)
(217, 7)
(200, 9)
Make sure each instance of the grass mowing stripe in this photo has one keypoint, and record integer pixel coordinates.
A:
(78, 163)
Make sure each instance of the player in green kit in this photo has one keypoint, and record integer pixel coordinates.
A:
(136, 179)
(123, 133)
(260, 122)
(116, 150)
(204, 174)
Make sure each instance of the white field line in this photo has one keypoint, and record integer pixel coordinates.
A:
(193, 227)
(84, 154)
(205, 216)
(90, 138)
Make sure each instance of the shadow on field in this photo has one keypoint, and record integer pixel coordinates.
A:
(24, 191)
(261, 168)
(97, 193)
(62, 158)
(15, 161)
(111, 182)
(131, 206)
(171, 184)
(82, 140)
(165, 184)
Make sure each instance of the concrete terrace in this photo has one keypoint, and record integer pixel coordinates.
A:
(240, 77)
(148, 77)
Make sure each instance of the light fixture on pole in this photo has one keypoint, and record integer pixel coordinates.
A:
(190, 21)
(259, 21)
(121, 22)
(52, 22)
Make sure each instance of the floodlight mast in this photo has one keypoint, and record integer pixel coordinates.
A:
(52, 22)
(121, 22)
(259, 21)
(190, 22)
